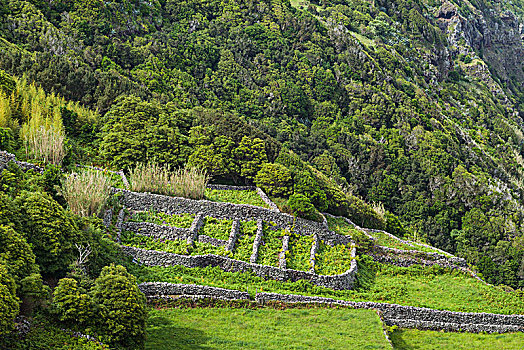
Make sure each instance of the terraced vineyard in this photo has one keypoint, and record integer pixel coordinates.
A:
(242, 249)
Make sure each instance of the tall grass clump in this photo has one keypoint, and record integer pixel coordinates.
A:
(86, 192)
(187, 182)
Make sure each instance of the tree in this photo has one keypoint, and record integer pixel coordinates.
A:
(120, 308)
(251, 155)
(275, 180)
(8, 301)
(16, 253)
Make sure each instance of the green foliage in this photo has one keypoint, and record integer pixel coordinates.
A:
(71, 303)
(16, 253)
(251, 154)
(7, 83)
(306, 185)
(244, 245)
(275, 180)
(302, 207)
(299, 253)
(50, 231)
(138, 131)
(8, 301)
(332, 260)
(217, 228)
(270, 246)
(235, 196)
(120, 308)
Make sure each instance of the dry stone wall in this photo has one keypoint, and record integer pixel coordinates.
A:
(6, 158)
(157, 258)
(417, 317)
(177, 205)
(166, 289)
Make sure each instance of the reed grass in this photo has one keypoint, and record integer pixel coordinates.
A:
(184, 182)
(86, 192)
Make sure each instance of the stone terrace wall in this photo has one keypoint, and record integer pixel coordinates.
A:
(157, 258)
(417, 317)
(6, 157)
(165, 289)
(178, 205)
(392, 314)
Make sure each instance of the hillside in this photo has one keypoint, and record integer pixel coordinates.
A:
(348, 154)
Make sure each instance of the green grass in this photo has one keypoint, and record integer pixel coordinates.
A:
(244, 246)
(226, 328)
(416, 286)
(159, 218)
(236, 197)
(340, 226)
(170, 246)
(270, 247)
(406, 339)
(299, 253)
(332, 260)
(217, 228)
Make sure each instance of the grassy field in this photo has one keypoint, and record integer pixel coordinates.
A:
(424, 287)
(236, 197)
(407, 339)
(225, 328)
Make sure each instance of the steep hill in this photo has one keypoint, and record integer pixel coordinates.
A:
(412, 104)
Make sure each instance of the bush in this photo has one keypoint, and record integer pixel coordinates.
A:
(71, 303)
(50, 231)
(121, 310)
(8, 301)
(152, 177)
(305, 184)
(302, 207)
(275, 180)
(86, 192)
(16, 253)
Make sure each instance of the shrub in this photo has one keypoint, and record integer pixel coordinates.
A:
(305, 184)
(86, 192)
(71, 303)
(16, 253)
(8, 301)
(302, 207)
(49, 229)
(275, 180)
(185, 182)
(120, 308)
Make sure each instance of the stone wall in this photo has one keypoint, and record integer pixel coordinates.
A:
(166, 289)
(417, 317)
(177, 205)
(6, 157)
(157, 258)
(391, 314)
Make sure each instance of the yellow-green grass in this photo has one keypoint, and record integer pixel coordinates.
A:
(226, 328)
(235, 196)
(434, 288)
(271, 246)
(407, 339)
(217, 228)
(339, 225)
(332, 260)
(299, 253)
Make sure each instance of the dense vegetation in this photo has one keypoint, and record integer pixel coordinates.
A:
(306, 100)
(371, 110)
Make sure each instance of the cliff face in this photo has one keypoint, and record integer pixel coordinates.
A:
(491, 38)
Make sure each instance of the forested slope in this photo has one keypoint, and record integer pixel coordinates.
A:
(413, 104)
